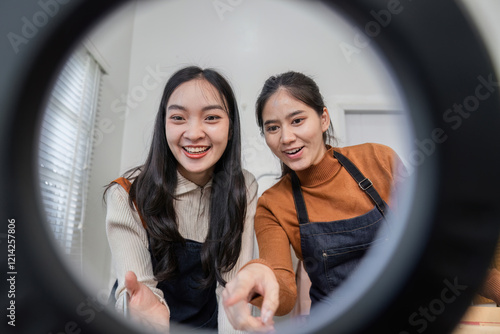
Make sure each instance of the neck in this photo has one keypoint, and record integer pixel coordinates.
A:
(321, 172)
(200, 179)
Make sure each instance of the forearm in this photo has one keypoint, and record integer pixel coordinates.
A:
(275, 253)
(128, 243)
(287, 285)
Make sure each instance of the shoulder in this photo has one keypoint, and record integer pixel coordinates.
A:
(116, 191)
(124, 181)
(372, 157)
(277, 191)
(250, 181)
(117, 205)
(117, 200)
(249, 177)
(367, 149)
(368, 153)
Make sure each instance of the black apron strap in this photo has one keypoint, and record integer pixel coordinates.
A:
(300, 205)
(364, 183)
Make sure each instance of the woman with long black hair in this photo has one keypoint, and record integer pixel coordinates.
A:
(181, 225)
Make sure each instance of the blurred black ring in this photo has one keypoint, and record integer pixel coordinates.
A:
(439, 60)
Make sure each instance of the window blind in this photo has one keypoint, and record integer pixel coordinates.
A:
(65, 150)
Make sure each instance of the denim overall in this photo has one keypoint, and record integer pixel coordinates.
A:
(332, 250)
(189, 305)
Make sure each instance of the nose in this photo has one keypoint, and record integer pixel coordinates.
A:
(194, 131)
(287, 135)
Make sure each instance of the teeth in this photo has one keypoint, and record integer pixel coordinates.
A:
(196, 149)
(294, 151)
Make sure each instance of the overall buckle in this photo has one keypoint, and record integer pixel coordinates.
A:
(365, 184)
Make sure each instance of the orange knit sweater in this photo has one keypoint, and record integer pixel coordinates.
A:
(330, 193)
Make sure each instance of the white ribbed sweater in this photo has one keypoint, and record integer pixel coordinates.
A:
(129, 244)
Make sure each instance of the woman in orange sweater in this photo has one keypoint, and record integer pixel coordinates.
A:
(328, 204)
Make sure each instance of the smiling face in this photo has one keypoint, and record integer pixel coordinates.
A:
(197, 129)
(294, 131)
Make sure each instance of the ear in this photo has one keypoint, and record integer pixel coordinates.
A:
(325, 120)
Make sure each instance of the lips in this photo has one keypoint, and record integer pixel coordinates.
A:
(293, 151)
(196, 152)
(196, 149)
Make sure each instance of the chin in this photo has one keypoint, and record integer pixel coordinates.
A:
(297, 167)
(197, 170)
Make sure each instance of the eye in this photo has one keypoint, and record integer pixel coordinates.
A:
(212, 118)
(176, 118)
(298, 121)
(272, 128)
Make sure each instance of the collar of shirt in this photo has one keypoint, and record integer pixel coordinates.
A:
(184, 185)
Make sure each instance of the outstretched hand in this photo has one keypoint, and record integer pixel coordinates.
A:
(253, 279)
(144, 305)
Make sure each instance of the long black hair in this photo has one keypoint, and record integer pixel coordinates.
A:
(153, 190)
(299, 86)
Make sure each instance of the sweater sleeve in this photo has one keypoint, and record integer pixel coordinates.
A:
(128, 242)
(246, 254)
(274, 252)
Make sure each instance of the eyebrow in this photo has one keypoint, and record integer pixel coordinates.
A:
(205, 108)
(213, 106)
(290, 115)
